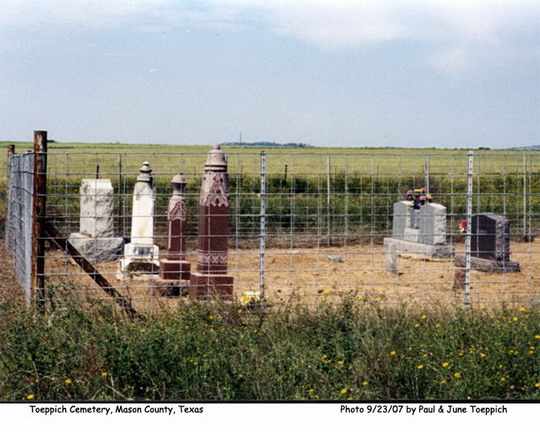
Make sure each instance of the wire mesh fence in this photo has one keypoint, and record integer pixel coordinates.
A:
(305, 227)
(18, 232)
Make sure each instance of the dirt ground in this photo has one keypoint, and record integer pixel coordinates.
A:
(311, 275)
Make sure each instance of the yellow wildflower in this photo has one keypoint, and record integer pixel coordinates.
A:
(537, 336)
(30, 397)
(503, 379)
(424, 317)
(437, 325)
(420, 367)
(340, 362)
(104, 374)
(343, 391)
(392, 353)
(416, 325)
(68, 381)
(443, 382)
(457, 375)
(365, 383)
(445, 364)
(537, 385)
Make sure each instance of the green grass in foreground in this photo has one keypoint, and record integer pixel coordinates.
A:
(210, 352)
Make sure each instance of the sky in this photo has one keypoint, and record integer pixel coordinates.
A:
(347, 73)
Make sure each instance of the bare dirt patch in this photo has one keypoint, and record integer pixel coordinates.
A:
(311, 275)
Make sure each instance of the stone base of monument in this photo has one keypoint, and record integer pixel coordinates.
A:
(140, 262)
(396, 246)
(169, 288)
(209, 285)
(96, 250)
(488, 266)
(174, 269)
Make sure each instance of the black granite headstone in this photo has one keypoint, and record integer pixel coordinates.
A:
(490, 237)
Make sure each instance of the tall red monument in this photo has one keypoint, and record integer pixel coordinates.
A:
(211, 277)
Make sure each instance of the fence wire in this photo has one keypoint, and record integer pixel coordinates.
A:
(324, 222)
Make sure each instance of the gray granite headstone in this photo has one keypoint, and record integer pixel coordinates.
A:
(96, 240)
(403, 211)
(432, 224)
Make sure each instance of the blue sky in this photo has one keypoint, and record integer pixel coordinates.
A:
(428, 73)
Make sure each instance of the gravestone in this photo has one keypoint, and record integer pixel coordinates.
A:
(432, 224)
(490, 244)
(96, 240)
(141, 255)
(174, 270)
(402, 219)
(211, 277)
(417, 231)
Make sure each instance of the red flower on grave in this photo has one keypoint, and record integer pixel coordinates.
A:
(463, 226)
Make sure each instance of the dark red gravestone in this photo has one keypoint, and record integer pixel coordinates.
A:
(211, 277)
(174, 266)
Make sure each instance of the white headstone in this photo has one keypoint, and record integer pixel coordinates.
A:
(97, 208)
(141, 256)
(432, 224)
(95, 240)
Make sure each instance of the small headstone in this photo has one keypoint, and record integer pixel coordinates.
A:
(335, 258)
(391, 258)
(96, 240)
(432, 224)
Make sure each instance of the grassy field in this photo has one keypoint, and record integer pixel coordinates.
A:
(208, 351)
(299, 161)
(212, 351)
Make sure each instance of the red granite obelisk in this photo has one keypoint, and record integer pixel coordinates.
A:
(174, 266)
(211, 277)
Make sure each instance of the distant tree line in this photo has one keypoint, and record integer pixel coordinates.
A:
(265, 144)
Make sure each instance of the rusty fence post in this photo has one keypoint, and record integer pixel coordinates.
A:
(10, 153)
(39, 202)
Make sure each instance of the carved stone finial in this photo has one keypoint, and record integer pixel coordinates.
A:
(145, 173)
(178, 184)
(216, 160)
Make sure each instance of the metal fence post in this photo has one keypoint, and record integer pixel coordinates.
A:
(426, 175)
(328, 191)
(525, 196)
(469, 227)
(262, 244)
(39, 202)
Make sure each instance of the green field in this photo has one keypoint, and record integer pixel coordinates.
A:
(353, 187)
(82, 158)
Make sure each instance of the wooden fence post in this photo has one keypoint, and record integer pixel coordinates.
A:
(39, 214)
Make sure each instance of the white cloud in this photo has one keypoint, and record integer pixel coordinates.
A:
(461, 33)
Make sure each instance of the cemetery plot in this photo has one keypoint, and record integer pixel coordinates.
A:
(308, 276)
